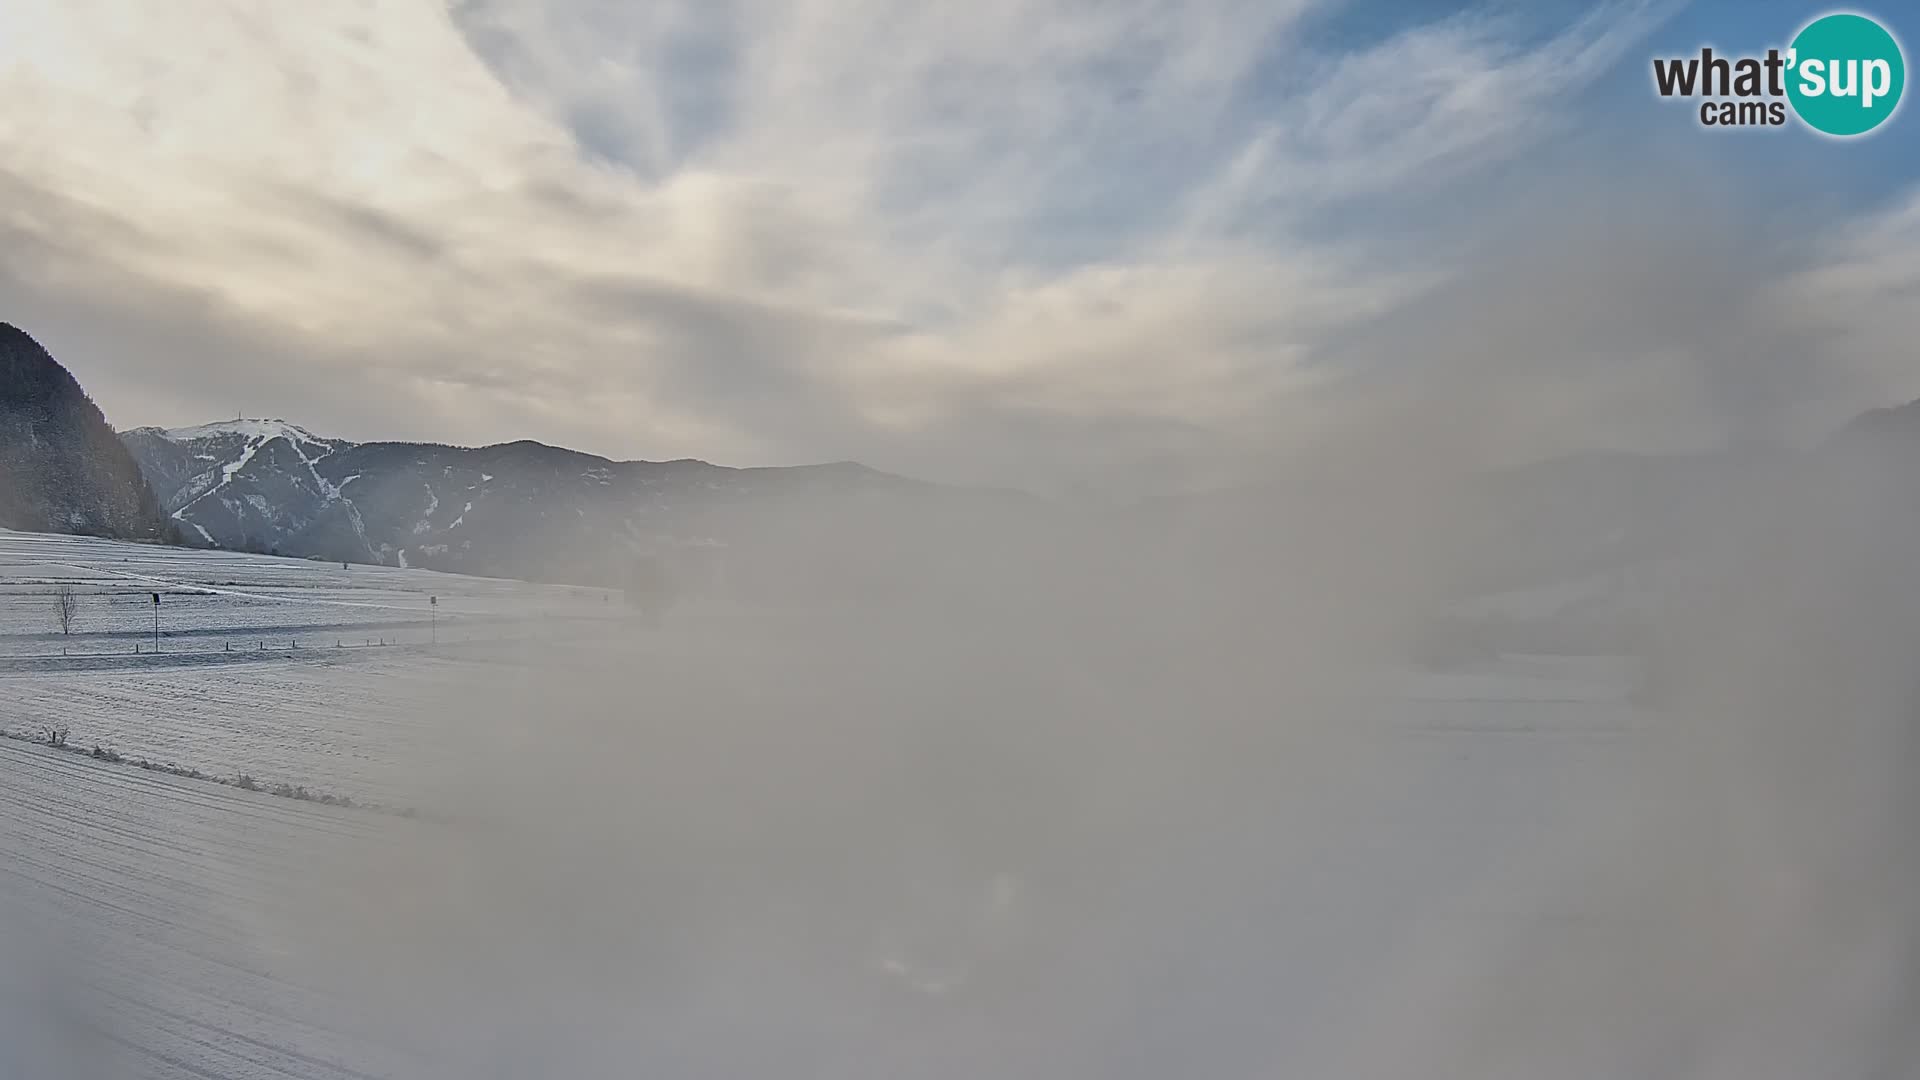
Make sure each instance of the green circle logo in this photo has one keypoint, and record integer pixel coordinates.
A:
(1846, 74)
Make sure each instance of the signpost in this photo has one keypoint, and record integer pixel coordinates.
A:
(156, 622)
(433, 616)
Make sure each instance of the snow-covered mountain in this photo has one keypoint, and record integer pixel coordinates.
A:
(519, 509)
(1576, 550)
(209, 480)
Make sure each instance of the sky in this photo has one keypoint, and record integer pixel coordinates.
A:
(1111, 245)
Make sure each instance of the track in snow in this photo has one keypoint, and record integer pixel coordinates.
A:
(132, 903)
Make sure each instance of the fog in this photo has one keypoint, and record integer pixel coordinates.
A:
(1133, 797)
(1038, 791)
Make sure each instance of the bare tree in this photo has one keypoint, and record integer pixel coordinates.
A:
(66, 606)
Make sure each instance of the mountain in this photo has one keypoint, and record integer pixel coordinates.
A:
(61, 467)
(520, 509)
(1881, 426)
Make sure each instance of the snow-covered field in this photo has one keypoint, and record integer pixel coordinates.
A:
(134, 942)
(199, 930)
(174, 909)
(213, 601)
(283, 670)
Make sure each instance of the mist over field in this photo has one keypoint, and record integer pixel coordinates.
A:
(1133, 796)
(1135, 805)
(1224, 784)
(1038, 540)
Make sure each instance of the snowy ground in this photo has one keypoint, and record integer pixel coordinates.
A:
(212, 601)
(201, 931)
(284, 670)
(133, 900)
(172, 904)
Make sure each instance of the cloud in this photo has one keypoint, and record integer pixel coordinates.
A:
(1015, 240)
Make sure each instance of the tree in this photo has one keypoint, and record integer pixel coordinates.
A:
(66, 605)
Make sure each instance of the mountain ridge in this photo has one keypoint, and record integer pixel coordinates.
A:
(271, 426)
(514, 509)
(62, 467)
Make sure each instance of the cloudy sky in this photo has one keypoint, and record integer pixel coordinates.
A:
(1120, 243)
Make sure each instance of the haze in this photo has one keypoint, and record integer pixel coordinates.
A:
(1361, 328)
